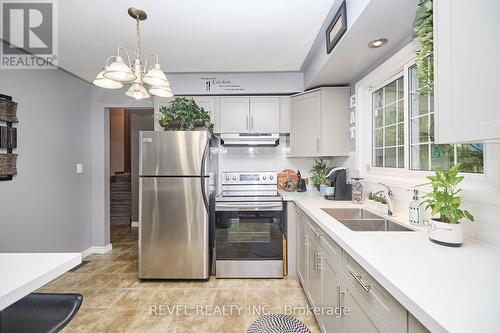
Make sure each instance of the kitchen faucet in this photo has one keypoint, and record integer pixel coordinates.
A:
(389, 197)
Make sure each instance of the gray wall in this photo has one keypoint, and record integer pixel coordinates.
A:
(140, 120)
(47, 207)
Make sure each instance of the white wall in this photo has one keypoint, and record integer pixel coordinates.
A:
(47, 207)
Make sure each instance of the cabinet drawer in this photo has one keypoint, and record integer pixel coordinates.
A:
(386, 306)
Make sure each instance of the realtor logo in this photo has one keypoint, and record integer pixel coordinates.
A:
(29, 34)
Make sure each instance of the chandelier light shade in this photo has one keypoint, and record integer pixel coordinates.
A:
(156, 77)
(119, 71)
(102, 82)
(161, 91)
(137, 91)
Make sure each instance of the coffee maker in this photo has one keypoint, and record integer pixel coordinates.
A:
(339, 179)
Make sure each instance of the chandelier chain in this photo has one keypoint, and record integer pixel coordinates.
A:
(138, 40)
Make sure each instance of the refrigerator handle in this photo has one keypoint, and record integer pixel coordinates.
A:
(202, 176)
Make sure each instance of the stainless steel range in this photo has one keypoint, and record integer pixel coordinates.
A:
(250, 222)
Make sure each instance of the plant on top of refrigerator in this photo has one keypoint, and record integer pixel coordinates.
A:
(183, 114)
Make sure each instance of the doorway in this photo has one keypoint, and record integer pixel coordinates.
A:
(124, 127)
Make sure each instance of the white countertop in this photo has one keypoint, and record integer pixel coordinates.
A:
(447, 289)
(23, 273)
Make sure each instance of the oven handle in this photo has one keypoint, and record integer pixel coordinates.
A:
(248, 207)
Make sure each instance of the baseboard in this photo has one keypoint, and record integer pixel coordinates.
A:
(97, 250)
(135, 224)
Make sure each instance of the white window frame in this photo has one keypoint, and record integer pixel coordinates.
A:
(391, 69)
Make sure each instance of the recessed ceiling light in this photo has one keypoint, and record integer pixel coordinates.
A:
(377, 43)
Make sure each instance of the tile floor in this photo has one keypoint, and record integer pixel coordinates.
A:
(115, 300)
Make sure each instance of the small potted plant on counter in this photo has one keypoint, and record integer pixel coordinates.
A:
(377, 202)
(183, 114)
(445, 226)
(318, 173)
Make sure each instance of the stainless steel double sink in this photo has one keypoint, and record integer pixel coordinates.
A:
(358, 219)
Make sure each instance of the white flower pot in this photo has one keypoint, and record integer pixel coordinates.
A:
(445, 233)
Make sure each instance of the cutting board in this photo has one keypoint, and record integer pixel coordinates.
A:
(290, 176)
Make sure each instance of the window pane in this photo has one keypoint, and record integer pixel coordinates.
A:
(401, 134)
(419, 130)
(379, 137)
(390, 93)
(379, 118)
(390, 136)
(390, 157)
(442, 156)
(420, 157)
(390, 114)
(413, 78)
(470, 157)
(378, 98)
(401, 157)
(419, 104)
(401, 111)
(378, 158)
(400, 84)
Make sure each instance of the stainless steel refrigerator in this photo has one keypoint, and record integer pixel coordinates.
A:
(175, 199)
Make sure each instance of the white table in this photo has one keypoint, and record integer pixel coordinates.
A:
(23, 273)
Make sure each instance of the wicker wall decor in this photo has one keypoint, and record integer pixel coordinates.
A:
(8, 111)
(8, 165)
(8, 138)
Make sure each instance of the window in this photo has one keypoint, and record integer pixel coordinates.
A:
(388, 125)
(424, 154)
(402, 105)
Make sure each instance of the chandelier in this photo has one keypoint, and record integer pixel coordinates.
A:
(117, 71)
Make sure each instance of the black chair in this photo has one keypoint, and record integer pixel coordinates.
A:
(40, 313)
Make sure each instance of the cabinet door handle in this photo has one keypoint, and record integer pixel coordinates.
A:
(248, 124)
(314, 260)
(319, 262)
(357, 277)
(339, 300)
(317, 145)
(251, 123)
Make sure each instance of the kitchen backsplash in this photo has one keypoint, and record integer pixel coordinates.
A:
(268, 159)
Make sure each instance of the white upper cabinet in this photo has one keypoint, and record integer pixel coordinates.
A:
(264, 114)
(467, 68)
(234, 115)
(285, 113)
(249, 115)
(320, 123)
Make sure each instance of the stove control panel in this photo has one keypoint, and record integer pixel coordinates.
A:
(253, 178)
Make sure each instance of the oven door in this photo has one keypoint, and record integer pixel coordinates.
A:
(249, 231)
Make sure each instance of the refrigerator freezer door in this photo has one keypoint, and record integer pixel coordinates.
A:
(174, 153)
(173, 234)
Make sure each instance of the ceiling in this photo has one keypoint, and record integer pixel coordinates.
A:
(351, 57)
(192, 35)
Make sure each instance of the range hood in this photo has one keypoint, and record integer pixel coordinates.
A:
(250, 139)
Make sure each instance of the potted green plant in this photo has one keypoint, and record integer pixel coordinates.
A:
(318, 173)
(444, 201)
(183, 114)
(377, 202)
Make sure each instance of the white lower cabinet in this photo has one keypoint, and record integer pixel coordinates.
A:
(313, 283)
(349, 299)
(301, 248)
(361, 317)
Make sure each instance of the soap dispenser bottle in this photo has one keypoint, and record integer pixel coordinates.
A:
(416, 214)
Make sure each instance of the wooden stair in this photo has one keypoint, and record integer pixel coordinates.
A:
(120, 199)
